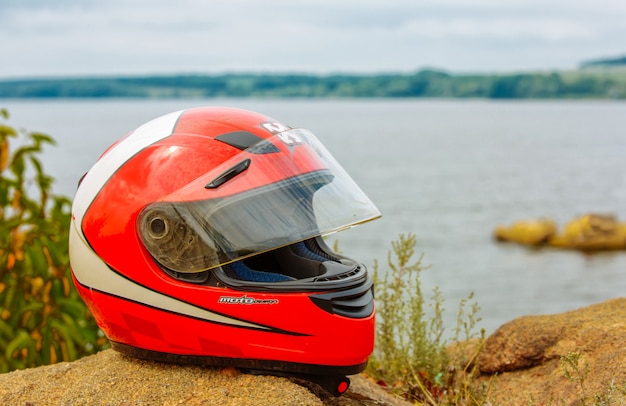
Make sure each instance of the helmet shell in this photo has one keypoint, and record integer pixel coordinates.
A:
(199, 312)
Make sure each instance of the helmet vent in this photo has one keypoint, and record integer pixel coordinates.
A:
(244, 140)
(355, 303)
(239, 139)
(339, 277)
(229, 174)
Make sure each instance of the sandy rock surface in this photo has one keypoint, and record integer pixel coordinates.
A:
(523, 362)
(110, 378)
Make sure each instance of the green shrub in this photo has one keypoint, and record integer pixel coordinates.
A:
(412, 356)
(42, 318)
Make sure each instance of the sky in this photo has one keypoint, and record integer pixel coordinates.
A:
(64, 38)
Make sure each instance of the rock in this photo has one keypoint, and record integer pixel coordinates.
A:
(532, 232)
(591, 232)
(114, 379)
(523, 360)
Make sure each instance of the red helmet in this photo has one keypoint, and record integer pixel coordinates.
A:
(197, 238)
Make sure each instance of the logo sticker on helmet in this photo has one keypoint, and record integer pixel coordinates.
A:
(245, 300)
(275, 127)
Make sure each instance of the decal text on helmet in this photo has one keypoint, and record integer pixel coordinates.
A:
(245, 300)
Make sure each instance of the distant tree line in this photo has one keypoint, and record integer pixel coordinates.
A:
(605, 62)
(584, 83)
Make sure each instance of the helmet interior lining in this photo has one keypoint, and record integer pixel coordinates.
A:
(301, 260)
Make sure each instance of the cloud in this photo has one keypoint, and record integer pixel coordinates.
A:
(140, 36)
(502, 29)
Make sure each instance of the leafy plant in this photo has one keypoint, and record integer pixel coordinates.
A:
(42, 318)
(576, 373)
(411, 354)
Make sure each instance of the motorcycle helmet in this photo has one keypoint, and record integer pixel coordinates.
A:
(198, 238)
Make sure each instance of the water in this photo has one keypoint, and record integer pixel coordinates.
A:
(448, 171)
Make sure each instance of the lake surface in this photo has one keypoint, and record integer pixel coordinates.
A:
(447, 171)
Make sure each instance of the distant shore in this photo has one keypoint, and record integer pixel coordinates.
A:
(587, 83)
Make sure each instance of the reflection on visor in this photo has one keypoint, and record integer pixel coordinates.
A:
(191, 237)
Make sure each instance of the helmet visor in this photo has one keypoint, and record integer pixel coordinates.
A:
(313, 196)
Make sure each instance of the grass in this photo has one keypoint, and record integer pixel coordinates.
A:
(411, 356)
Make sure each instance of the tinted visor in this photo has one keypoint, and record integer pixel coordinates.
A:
(193, 236)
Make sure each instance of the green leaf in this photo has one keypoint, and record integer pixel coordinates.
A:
(7, 131)
(72, 307)
(66, 338)
(6, 330)
(21, 340)
(41, 138)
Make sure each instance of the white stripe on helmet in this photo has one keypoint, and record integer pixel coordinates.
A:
(92, 272)
(112, 160)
